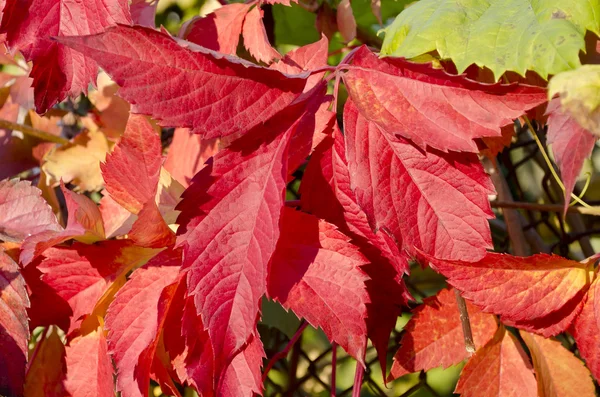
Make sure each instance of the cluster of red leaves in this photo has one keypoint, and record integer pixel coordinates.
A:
(168, 285)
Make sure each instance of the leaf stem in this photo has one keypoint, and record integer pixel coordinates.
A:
(284, 352)
(43, 135)
(466, 324)
(333, 367)
(358, 379)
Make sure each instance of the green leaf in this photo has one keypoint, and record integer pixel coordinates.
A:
(294, 25)
(579, 92)
(503, 35)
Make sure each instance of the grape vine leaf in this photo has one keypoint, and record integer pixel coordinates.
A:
(316, 273)
(89, 368)
(255, 37)
(23, 211)
(135, 319)
(84, 224)
(57, 71)
(47, 368)
(433, 337)
(501, 368)
(542, 293)
(14, 327)
(438, 110)
(515, 35)
(132, 170)
(227, 95)
(187, 155)
(571, 145)
(218, 31)
(578, 92)
(585, 329)
(558, 371)
(385, 170)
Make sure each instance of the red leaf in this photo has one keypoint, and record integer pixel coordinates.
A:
(586, 329)
(559, 373)
(84, 224)
(150, 229)
(57, 71)
(542, 292)
(135, 320)
(434, 337)
(433, 201)
(499, 369)
(47, 369)
(117, 220)
(315, 272)
(431, 107)
(89, 369)
(23, 211)
(15, 153)
(243, 377)
(143, 12)
(227, 95)
(326, 193)
(345, 21)
(229, 227)
(571, 144)
(218, 31)
(132, 170)
(14, 330)
(187, 155)
(255, 37)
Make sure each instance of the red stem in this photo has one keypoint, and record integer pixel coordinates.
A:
(358, 379)
(333, 367)
(284, 352)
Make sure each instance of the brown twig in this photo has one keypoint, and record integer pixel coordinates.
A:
(544, 207)
(466, 324)
(25, 129)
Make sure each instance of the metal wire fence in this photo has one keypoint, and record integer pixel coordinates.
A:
(528, 220)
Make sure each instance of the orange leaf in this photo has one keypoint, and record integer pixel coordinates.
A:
(47, 368)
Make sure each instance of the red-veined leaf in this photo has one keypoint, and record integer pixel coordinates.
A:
(135, 319)
(132, 170)
(315, 272)
(586, 329)
(501, 368)
(89, 368)
(187, 155)
(226, 95)
(559, 373)
(431, 107)
(571, 144)
(542, 293)
(434, 337)
(255, 37)
(433, 201)
(242, 378)
(14, 329)
(218, 31)
(57, 71)
(23, 211)
(47, 369)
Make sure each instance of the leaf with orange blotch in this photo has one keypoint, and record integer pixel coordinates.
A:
(135, 319)
(345, 20)
(89, 367)
(407, 192)
(111, 111)
(14, 327)
(78, 162)
(84, 224)
(586, 329)
(150, 229)
(316, 272)
(23, 211)
(58, 71)
(227, 95)
(559, 373)
(501, 368)
(187, 155)
(571, 145)
(255, 37)
(47, 369)
(218, 31)
(434, 338)
(439, 110)
(132, 170)
(542, 293)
